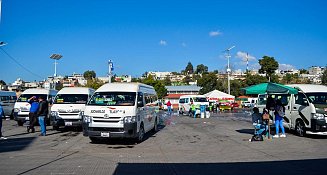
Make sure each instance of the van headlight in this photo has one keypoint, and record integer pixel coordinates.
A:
(86, 119)
(16, 109)
(129, 119)
(319, 116)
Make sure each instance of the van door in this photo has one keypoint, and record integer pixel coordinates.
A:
(301, 109)
(287, 102)
(140, 112)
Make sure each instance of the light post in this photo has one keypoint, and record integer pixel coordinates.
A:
(111, 68)
(228, 68)
(55, 57)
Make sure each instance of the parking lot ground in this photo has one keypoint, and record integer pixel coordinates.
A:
(183, 145)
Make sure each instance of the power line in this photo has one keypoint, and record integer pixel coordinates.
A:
(12, 58)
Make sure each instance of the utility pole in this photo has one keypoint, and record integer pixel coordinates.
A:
(55, 57)
(228, 67)
(111, 68)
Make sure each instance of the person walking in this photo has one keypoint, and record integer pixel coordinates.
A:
(42, 114)
(169, 106)
(1, 114)
(33, 101)
(279, 114)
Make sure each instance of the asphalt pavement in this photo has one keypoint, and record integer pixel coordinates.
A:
(183, 145)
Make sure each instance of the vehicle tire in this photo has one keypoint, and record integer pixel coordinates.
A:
(95, 140)
(300, 128)
(155, 127)
(56, 128)
(20, 123)
(141, 134)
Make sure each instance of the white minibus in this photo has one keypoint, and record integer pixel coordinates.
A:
(22, 107)
(186, 101)
(121, 110)
(7, 101)
(68, 106)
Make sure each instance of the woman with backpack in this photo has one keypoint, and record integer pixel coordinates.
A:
(279, 114)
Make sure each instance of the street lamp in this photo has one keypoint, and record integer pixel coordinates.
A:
(111, 68)
(228, 68)
(55, 57)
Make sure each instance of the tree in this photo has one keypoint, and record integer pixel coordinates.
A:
(268, 66)
(200, 69)
(236, 87)
(324, 77)
(167, 81)
(254, 79)
(303, 71)
(160, 89)
(149, 80)
(89, 74)
(94, 83)
(189, 69)
(208, 82)
(187, 79)
(2, 82)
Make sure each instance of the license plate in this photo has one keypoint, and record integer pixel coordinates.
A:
(68, 123)
(104, 134)
(27, 118)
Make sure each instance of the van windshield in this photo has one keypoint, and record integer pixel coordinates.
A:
(200, 99)
(25, 97)
(317, 98)
(71, 99)
(113, 99)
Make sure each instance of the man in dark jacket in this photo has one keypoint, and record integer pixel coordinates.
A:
(32, 114)
(43, 113)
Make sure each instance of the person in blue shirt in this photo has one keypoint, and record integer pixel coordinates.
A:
(1, 114)
(33, 113)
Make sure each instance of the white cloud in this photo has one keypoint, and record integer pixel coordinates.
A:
(255, 66)
(286, 67)
(215, 33)
(163, 43)
(244, 56)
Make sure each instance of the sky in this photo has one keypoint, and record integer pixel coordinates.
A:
(157, 35)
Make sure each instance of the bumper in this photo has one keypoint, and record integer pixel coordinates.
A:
(129, 131)
(67, 122)
(318, 125)
(20, 117)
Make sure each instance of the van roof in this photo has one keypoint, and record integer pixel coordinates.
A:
(185, 96)
(76, 90)
(39, 91)
(126, 87)
(309, 87)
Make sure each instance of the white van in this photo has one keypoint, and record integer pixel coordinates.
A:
(68, 106)
(305, 112)
(7, 101)
(185, 102)
(22, 107)
(121, 110)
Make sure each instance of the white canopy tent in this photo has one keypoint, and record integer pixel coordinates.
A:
(216, 96)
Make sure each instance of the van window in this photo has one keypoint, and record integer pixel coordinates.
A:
(200, 99)
(301, 99)
(113, 99)
(317, 97)
(71, 99)
(25, 97)
(182, 100)
(150, 99)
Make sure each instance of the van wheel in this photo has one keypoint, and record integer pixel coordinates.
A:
(300, 128)
(56, 128)
(20, 123)
(141, 134)
(95, 140)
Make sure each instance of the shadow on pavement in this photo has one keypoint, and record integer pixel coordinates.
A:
(298, 167)
(245, 131)
(15, 144)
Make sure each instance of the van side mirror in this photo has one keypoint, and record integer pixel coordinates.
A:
(140, 104)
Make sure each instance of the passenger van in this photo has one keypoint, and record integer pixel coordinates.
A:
(7, 101)
(185, 102)
(121, 110)
(68, 106)
(305, 112)
(22, 107)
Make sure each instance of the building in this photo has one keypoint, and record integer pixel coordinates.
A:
(316, 70)
(160, 75)
(174, 92)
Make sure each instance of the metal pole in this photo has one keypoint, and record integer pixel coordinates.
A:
(228, 72)
(55, 65)
(109, 71)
